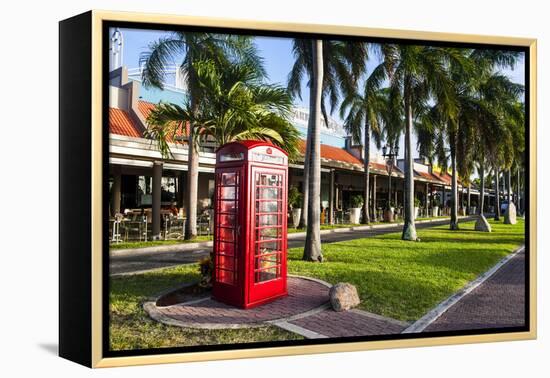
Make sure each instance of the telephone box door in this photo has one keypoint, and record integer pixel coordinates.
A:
(228, 220)
(268, 248)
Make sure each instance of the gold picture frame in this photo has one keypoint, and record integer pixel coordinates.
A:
(92, 25)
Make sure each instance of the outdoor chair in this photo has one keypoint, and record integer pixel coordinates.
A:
(114, 228)
(203, 224)
(173, 227)
(135, 227)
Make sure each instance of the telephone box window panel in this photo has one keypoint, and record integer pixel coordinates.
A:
(292, 180)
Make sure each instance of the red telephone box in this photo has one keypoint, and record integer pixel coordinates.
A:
(250, 225)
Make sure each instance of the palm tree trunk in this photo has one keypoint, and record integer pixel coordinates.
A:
(312, 248)
(497, 195)
(518, 195)
(366, 215)
(192, 186)
(482, 189)
(307, 160)
(454, 185)
(192, 175)
(469, 198)
(509, 179)
(409, 229)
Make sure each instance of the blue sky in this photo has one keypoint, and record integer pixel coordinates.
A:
(277, 54)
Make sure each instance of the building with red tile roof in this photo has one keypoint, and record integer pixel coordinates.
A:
(132, 157)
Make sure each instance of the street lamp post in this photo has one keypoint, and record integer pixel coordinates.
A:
(390, 154)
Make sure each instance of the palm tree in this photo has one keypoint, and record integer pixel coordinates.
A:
(442, 122)
(514, 120)
(235, 105)
(419, 73)
(330, 66)
(487, 137)
(362, 113)
(497, 193)
(192, 47)
(312, 248)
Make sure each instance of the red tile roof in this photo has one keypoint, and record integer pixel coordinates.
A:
(446, 178)
(332, 153)
(378, 166)
(145, 107)
(428, 176)
(121, 123)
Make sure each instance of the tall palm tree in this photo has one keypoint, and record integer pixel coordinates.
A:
(441, 124)
(312, 248)
(419, 73)
(487, 137)
(342, 63)
(191, 47)
(362, 113)
(235, 105)
(329, 66)
(514, 120)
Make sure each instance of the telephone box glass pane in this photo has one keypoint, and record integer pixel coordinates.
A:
(227, 220)
(267, 259)
(268, 193)
(267, 206)
(226, 262)
(228, 192)
(228, 206)
(267, 220)
(267, 274)
(226, 234)
(226, 248)
(268, 233)
(229, 178)
(226, 216)
(225, 276)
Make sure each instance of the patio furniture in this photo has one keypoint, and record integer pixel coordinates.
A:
(203, 224)
(116, 236)
(135, 227)
(173, 227)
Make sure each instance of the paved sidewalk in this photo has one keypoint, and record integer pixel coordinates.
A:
(499, 302)
(144, 259)
(349, 323)
(305, 311)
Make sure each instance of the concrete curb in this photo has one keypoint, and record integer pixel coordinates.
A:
(432, 315)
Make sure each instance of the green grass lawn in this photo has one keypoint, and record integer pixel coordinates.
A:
(292, 230)
(131, 327)
(404, 280)
(151, 243)
(399, 279)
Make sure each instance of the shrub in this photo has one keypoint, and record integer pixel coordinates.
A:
(356, 201)
(206, 268)
(295, 198)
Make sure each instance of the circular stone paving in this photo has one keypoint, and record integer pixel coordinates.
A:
(305, 297)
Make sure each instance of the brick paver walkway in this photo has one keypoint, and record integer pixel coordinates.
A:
(306, 311)
(497, 303)
(350, 323)
(303, 295)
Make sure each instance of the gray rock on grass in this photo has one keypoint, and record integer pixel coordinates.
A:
(343, 296)
(510, 217)
(482, 224)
